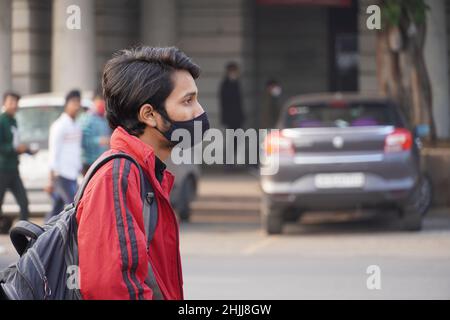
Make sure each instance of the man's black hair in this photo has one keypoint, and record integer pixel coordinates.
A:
(137, 76)
(271, 82)
(13, 94)
(231, 66)
(73, 94)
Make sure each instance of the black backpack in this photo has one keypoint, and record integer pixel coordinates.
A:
(48, 265)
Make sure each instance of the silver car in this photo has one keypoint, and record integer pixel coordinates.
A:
(36, 114)
(339, 151)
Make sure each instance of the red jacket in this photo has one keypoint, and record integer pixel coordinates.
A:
(111, 238)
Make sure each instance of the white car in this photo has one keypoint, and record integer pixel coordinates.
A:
(36, 114)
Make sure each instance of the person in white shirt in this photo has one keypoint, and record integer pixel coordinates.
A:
(65, 154)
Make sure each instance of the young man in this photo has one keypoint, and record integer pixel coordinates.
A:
(149, 93)
(65, 154)
(10, 149)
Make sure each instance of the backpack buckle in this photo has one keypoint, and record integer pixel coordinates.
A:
(149, 197)
(69, 207)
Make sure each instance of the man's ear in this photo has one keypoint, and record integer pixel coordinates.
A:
(147, 115)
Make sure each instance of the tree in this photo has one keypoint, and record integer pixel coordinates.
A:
(402, 71)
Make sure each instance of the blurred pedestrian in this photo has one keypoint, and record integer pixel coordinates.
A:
(95, 133)
(10, 149)
(270, 106)
(232, 115)
(65, 154)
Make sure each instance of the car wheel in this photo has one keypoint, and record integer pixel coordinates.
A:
(273, 224)
(418, 205)
(5, 224)
(412, 222)
(272, 218)
(187, 195)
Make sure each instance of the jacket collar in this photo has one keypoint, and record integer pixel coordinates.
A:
(144, 155)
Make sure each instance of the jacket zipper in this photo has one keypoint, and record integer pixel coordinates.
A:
(178, 254)
(178, 241)
(177, 251)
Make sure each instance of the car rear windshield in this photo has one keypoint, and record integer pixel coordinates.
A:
(34, 123)
(341, 115)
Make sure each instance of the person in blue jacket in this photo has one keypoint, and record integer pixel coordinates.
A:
(96, 133)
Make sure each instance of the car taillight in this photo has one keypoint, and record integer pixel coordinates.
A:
(399, 140)
(276, 143)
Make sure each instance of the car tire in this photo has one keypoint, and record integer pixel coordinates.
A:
(5, 224)
(412, 222)
(273, 224)
(418, 205)
(188, 192)
(271, 218)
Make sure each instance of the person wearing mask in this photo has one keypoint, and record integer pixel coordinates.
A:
(10, 149)
(65, 154)
(149, 93)
(96, 133)
(270, 110)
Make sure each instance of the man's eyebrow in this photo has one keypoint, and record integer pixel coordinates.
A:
(190, 94)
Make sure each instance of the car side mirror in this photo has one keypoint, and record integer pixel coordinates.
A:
(422, 130)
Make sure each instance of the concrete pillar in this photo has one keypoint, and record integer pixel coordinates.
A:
(436, 57)
(367, 39)
(5, 45)
(73, 50)
(158, 22)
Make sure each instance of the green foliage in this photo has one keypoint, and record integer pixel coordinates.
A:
(393, 11)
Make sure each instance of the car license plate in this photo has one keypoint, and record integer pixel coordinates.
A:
(339, 180)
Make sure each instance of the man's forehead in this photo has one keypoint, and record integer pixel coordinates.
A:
(184, 83)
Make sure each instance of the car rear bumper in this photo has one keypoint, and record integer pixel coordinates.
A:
(302, 193)
(387, 179)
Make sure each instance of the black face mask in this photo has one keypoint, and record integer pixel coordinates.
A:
(188, 125)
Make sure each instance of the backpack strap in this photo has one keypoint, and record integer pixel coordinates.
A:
(149, 209)
(20, 233)
(150, 281)
(97, 165)
(150, 221)
(147, 193)
(150, 205)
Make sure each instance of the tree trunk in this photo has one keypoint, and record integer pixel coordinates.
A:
(402, 72)
(421, 83)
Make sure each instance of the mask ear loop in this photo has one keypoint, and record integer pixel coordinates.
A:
(165, 116)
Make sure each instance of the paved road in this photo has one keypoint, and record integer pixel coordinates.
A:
(227, 256)
(323, 261)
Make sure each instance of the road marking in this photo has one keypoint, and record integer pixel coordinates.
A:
(254, 248)
(2, 250)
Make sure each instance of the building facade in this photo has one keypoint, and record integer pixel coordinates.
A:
(308, 46)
